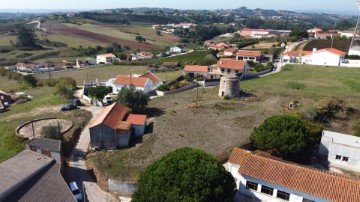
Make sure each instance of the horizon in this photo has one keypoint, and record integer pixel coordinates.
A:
(305, 5)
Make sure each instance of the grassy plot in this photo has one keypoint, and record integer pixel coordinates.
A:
(314, 82)
(195, 57)
(105, 73)
(73, 41)
(5, 40)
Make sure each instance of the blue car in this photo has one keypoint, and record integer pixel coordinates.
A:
(68, 107)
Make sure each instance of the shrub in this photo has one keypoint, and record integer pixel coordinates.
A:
(31, 80)
(51, 132)
(287, 68)
(185, 175)
(66, 87)
(284, 134)
(295, 85)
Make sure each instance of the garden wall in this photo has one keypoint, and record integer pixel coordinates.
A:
(122, 187)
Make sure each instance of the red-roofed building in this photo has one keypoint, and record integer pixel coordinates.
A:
(194, 70)
(295, 56)
(260, 178)
(141, 83)
(325, 35)
(156, 82)
(230, 52)
(108, 58)
(114, 127)
(219, 46)
(248, 55)
(230, 66)
(138, 123)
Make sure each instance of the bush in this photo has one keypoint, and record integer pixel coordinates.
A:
(295, 85)
(185, 175)
(284, 134)
(31, 80)
(66, 87)
(132, 98)
(51, 132)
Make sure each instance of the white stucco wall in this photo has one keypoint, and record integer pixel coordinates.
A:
(146, 89)
(333, 144)
(295, 196)
(325, 58)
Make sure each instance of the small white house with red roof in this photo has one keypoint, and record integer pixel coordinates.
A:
(230, 67)
(194, 70)
(156, 82)
(327, 57)
(121, 81)
(108, 58)
(248, 55)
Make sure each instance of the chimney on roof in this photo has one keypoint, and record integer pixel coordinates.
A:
(314, 50)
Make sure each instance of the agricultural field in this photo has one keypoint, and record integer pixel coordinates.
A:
(338, 43)
(196, 57)
(219, 125)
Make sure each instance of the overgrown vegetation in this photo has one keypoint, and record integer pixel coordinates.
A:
(185, 175)
(132, 98)
(52, 132)
(295, 85)
(66, 87)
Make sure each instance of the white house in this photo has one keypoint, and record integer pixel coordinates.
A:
(105, 58)
(194, 70)
(177, 49)
(156, 82)
(327, 56)
(294, 56)
(138, 124)
(229, 66)
(143, 84)
(347, 34)
(340, 150)
(248, 55)
(260, 178)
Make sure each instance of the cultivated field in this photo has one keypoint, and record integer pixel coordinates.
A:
(338, 43)
(219, 125)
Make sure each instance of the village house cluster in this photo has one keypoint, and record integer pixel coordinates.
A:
(170, 28)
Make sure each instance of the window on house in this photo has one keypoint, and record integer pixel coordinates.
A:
(307, 200)
(345, 158)
(229, 71)
(338, 157)
(236, 71)
(283, 195)
(267, 190)
(251, 185)
(222, 70)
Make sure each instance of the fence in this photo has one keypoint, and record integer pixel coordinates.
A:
(122, 187)
(208, 83)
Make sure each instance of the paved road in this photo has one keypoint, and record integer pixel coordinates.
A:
(77, 171)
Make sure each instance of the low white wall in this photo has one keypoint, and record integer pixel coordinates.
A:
(351, 63)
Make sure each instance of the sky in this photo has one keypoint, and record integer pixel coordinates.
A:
(294, 5)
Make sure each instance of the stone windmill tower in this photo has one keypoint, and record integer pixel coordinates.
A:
(355, 43)
(229, 86)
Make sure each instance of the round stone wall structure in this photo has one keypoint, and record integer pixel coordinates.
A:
(229, 86)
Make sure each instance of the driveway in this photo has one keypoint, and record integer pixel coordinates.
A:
(77, 171)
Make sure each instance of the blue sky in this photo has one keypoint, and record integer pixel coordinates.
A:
(330, 5)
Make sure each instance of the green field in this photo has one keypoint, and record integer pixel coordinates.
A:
(105, 73)
(73, 41)
(195, 57)
(319, 82)
(338, 43)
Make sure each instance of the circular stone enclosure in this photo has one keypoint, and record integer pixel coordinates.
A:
(26, 130)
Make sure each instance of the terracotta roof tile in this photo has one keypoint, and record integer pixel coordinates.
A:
(196, 68)
(127, 80)
(308, 180)
(333, 50)
(297, 53)
(151, 76)
(231, 64)
(136, 119)
(230, 50)
(249, 53)
(111, 116)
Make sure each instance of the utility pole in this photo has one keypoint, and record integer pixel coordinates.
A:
(197, 94)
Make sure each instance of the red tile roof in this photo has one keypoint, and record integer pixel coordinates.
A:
(151, 76)
(231, 64)
(308, 180)
(249, 53)
(111, 116)
(230, 50)
(297, 53)
(136, 119)
(196, 68)
(333, 50)
(128, 80)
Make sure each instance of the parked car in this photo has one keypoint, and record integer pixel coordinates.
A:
(68, 107)
(76, 101)
(107, 100)
(75, 190)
